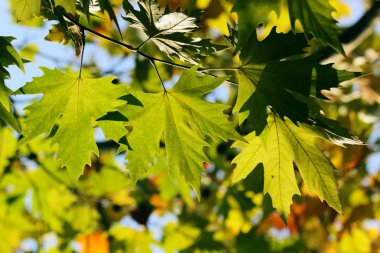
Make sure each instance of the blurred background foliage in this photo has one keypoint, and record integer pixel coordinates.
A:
(42, 210)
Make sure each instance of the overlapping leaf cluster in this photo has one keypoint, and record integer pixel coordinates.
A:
(279, 83)
(168, 30)
(314, 17)
(65, 30)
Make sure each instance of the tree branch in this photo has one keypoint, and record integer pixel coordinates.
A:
(137, 51)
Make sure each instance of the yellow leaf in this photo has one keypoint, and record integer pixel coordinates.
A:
(342, 9)
(356, 241)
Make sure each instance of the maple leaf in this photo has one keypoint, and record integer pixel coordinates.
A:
(113, 126)
(25, 9)
(168, 31)
(9, 118)
(9, 56)
(278, 73)
(185, 119)
(73, 103)
(251, 14)
(279, 145)
(315, 16)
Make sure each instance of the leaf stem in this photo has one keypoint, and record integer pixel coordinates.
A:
(83, 46)
(143, 43)
(219, 69)
(137, 51)
(158, 73)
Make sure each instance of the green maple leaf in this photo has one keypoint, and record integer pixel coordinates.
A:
(74, 104)
(184, 119)
(168, 31)
(251, 14)
(9, 118)
(9, 56)
(279, 145)
(314, 16)
(265, 78)
(113, 125)
(25, 9)
(278, 73)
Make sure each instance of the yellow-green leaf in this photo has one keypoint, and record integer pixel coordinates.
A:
(281, 144)
(185, 120)
(25, 9)
(73, 103)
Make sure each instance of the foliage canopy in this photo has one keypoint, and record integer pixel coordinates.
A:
(262, 149)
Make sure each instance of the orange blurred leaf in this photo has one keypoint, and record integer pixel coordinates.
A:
(96, 242)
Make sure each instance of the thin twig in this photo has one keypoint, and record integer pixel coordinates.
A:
(99, 34)
(137, 51)
(218, 69)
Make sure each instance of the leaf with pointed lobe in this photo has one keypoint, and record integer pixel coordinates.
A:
(184, 120)
(281, 144)
(9, 56)
(315, 17)
(25, 9)
(250, 15)
(276, 73)
(74, 104)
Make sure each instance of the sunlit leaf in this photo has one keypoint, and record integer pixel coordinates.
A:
(315, 17)
(185, 119)
(169, 31)
(280, 145)
(25, 9)
(74, 103)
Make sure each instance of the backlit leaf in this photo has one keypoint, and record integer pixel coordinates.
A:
(168, 31)
(280, 145)
(278, 73)
(25, 9)
(315, 17)
(73, 103)
(9, 56)
(184, 119)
